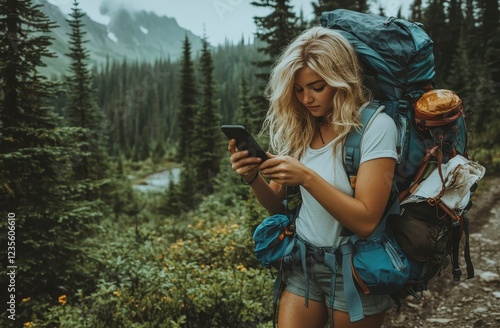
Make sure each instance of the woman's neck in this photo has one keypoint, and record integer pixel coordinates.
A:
(323, 134)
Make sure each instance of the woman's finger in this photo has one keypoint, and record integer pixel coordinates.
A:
(237, 162)
(238, 156)
(231, 146)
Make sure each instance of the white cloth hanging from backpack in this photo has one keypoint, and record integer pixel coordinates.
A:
(459, 175)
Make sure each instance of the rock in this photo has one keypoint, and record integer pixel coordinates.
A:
(489, 261)
(489, 276)
(496, 294)
(439, 320)
(479, 323)
(426, 293)
(480, 309)
(464, 285)
(399, 319)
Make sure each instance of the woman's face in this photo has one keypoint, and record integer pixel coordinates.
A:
(313, 92)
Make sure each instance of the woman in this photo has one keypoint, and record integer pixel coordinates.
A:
(315, 93)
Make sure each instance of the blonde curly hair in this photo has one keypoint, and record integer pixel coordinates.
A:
(290, 125)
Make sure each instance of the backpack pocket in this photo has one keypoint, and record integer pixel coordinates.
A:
(379, 265)
(272, 238)
(423, 231)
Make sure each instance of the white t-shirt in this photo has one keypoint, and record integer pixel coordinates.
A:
(314, 224)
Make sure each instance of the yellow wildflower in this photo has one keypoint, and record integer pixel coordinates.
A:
(241, 267)
(62, 299)
(200, 224)
(117, 293)
(28, 324)
(24, 301)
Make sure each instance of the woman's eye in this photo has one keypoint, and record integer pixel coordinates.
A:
(319, 89)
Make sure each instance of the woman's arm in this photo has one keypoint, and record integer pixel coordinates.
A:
(269, 195)
(361, 213)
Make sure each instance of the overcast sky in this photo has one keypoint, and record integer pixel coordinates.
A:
(221, 19)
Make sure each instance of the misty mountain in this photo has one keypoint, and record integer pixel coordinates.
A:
(134, 36)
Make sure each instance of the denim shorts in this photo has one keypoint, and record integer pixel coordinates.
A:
(319, 277)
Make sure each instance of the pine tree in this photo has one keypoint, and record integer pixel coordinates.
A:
(302, 23)
(328, 5)
(36, 155)
(381, 11)
(435, 26)
(454, 24)
(246, 113)
(399, 14)
(158, 151)
(276, 30)
(188, 100)
(416, 11)
(490, 27)
(462, 73)
(82, 110)
(205, 155)
(489, 17)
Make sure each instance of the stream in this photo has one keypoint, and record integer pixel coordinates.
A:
(158, 182)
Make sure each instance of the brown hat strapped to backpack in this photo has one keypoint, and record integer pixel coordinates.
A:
(437, 107)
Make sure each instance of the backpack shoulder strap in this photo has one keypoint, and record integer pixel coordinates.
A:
(352, 145)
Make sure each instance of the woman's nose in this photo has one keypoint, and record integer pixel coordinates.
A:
(307, 98)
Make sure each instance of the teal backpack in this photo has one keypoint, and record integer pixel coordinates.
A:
(398, 65)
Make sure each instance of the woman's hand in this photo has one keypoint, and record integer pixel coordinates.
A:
(284, 170)
(246, 167)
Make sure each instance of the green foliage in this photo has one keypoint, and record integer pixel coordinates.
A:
(155, 275)
(142, 97)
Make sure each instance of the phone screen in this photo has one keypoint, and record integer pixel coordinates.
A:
(244, 140)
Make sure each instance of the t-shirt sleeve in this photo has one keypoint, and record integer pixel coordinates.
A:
(379, 139)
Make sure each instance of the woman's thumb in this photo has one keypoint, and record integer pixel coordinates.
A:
(270, 155)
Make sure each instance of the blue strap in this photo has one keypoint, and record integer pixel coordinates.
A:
(353, 300)
(331, 262)
(352, 146)
(298, 255)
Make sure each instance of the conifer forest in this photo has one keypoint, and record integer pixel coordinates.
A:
(82, 245)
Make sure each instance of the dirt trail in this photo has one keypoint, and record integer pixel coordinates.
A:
(473, 303)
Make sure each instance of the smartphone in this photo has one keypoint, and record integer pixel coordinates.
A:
(244, 140)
